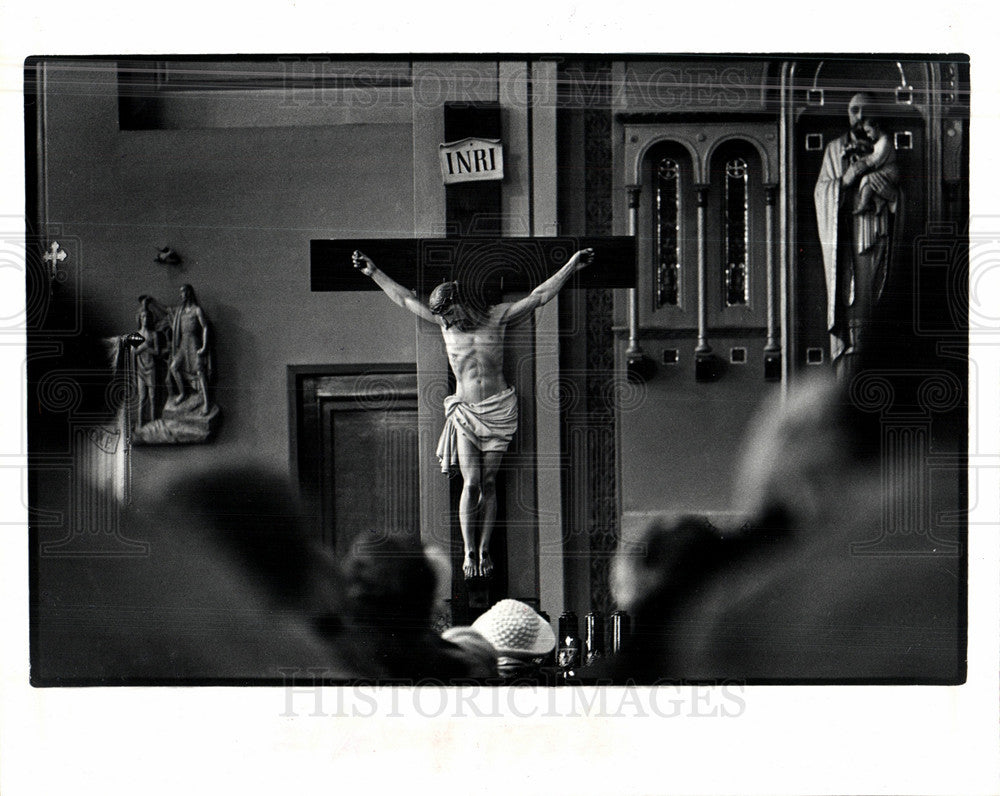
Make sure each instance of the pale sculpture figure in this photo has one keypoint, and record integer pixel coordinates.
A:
(145, 362)
(856, 196)
(189, 350)
(481, 417)
(877, 157)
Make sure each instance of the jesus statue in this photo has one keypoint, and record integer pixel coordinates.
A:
(481, 417)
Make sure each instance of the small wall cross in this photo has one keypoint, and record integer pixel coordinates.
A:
(54, 255)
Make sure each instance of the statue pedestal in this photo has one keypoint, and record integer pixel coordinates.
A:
(183, 423)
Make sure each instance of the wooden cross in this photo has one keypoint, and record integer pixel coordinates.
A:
(485, 269)
(509, 264)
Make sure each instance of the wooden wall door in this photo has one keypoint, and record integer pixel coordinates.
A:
(357, 454)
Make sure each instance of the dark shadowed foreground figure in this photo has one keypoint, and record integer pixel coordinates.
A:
(236, 589)
(233, 589)
(384, 617)
(789, 596)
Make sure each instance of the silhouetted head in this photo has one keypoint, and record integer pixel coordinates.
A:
(663, 558)
(389, 583)
(803, 454)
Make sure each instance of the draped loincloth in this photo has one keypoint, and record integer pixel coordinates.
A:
(489, 425)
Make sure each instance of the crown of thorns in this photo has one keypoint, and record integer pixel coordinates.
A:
(442, 297)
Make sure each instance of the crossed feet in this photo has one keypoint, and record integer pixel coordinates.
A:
(477, 566)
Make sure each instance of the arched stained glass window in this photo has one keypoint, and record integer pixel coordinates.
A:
(736, 224)
(668, 210)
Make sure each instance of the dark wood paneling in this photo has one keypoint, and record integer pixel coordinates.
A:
(354, 444)
(370, 473)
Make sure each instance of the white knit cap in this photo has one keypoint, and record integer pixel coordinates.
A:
(515, 629)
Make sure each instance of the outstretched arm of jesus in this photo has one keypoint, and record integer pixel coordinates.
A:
(399, 294)
(547, 291)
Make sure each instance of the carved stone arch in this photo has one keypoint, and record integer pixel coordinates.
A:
(665, 138)
(831, 82)
(672, 234)
(767, 167)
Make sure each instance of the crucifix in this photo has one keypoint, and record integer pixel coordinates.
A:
(464, 280)
(54, 255)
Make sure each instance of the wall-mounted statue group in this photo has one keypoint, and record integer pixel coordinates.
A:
(172, 372)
